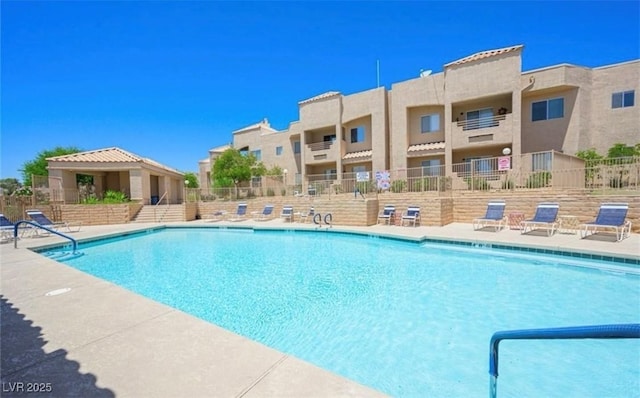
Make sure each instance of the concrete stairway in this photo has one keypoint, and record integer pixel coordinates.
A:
(161, 213)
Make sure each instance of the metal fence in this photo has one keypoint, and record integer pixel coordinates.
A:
(543, 170)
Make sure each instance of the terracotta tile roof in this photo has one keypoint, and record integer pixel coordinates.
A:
(112, 155)
(483, 55)
(220, 148)
(109, 155)
(426, 147)
(328, 94)
(263, 123)
(359, 154)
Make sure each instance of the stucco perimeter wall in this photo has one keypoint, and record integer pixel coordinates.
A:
(190, 211)
(96, 214)
(585, 207)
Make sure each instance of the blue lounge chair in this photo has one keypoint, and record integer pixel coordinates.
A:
(287, 213)
(610, 216)
(545, 218)
(6, 228)
(38, 217)
(411, 216)
(493, 217)
(387, 215)
(263, 215)
(241, 213)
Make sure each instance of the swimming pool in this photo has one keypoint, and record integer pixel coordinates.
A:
(409, 319)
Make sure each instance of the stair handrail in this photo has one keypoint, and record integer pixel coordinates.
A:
(616, 331)
(35, 224)
(155, 208)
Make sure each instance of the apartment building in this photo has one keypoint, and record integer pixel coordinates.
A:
(479, 107)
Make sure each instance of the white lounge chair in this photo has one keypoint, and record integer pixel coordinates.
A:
(287, 213)
(545, 218)
(387, 215)
(611, 216)
(263, 215)
(411, 216)
(240, 214)
(493, 217)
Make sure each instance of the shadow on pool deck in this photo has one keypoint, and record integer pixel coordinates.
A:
(27, 370)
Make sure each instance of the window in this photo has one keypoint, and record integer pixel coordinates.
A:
(548, 109)
(359, 169)
(480, 119)
(541, 161)
(431, 167)
(258, 154)
(329, 138)
(330, 174)
(623, 99)
(357, 134)
(278, 151)
(296, 147)
(430, 123)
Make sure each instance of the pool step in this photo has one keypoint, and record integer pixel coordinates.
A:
(63, 256)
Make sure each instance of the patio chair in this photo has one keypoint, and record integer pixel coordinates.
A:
(545, 218)
(39, 218)
(309, 214)
(240, 214)
(217, 215)
(493, 217)
(387, 215)
(6, 228)
(263, 215)
(287, 213)
(610, 216)
(411, 216)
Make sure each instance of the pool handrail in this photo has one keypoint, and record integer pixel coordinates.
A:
(35, 224)
(616, 331)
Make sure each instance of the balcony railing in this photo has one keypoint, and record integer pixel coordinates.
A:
(493, 130)
(320, 146)
(481, 123)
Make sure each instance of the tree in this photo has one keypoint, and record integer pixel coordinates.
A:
(622, 150)
(38, 166)
(9, 185)
(232, 167)
(191, 179)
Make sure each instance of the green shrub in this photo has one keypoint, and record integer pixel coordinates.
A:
(477, 183)
(398, 186)
(539, 180)
(271, 192)
(364, 186)
(112, 197)
(283, 191)
(507, 184)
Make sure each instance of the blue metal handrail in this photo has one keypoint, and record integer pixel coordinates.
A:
(35, 224)
(624, 331)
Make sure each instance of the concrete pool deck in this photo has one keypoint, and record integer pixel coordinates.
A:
(98, 339)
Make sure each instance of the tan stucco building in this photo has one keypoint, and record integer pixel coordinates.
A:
(143, 180)
(479, 107)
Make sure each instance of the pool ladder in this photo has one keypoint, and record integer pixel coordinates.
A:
(36, 225)
(621, 331)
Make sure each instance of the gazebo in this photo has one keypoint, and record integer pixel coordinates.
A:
(143, 180)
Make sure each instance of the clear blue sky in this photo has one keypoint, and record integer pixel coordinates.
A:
(170, 80)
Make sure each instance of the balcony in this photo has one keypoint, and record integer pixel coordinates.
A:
(492, 130)
(322, 152)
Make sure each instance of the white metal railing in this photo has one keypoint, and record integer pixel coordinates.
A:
(481, 123)
(155, 207)
(320, 146)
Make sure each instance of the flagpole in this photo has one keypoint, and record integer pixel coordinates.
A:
(378, 71)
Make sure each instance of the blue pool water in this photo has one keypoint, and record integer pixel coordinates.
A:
(405, 318)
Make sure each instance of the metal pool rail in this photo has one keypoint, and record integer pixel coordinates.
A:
(36, 225)
(623, 331)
